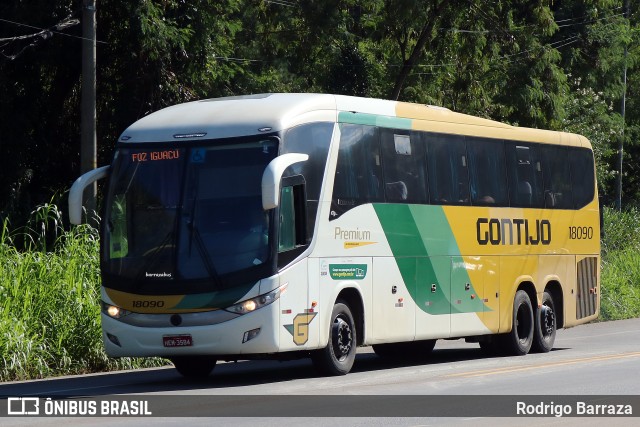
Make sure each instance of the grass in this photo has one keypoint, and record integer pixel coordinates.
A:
(50, 292)
(620, 273)
(49, 299)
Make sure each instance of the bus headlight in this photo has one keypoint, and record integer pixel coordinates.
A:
(114, 311)
(253, 304)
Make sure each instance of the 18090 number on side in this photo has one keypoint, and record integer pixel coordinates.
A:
(580, 233)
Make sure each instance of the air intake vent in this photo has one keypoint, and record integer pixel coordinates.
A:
(587, 302)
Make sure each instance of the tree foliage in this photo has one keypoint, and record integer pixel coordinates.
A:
(547, 64)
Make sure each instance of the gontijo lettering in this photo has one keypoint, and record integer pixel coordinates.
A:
(517, 231)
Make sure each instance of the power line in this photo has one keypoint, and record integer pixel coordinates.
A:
(555, 45)
(55, 29)
(282, 3)
(591, 21)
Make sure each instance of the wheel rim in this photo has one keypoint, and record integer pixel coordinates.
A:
(547, 321)
(523, 323)
(342, 338)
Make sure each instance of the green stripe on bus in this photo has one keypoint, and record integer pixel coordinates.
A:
(424, 246)
(374, 120)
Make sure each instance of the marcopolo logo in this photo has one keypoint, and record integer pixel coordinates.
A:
(348, 271)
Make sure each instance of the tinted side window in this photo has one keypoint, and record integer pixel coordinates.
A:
(487, 172)
(557, 177)
(358, 178)
(404, 165)
(582, 176)
(524, 171)
(312, 139)
(448, 172)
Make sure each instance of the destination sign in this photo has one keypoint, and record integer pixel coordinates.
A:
(155, 155)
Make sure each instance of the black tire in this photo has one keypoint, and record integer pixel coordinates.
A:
(415, 350)
(545, 326)
(194, 367)
(490, 345)
(518, 342)
(338, 356)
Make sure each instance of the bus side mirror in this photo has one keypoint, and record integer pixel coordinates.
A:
(272, 176)
(77, 190)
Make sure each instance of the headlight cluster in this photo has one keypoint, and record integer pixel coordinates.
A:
(114, 311)
(252, 304)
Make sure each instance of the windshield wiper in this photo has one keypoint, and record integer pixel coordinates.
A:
(202, 251)
(194, 232)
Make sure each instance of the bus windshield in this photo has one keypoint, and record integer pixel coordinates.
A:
(187, 214)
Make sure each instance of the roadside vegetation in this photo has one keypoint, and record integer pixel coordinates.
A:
(50, 294)
(620, 274)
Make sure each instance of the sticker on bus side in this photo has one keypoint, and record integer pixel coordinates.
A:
(348, 271)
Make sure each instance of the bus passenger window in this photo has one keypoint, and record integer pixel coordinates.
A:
(557, 177)
(487, 171)
(404, 166)
(358, 178)
(582, 176)
(524, 175)
(448, 171)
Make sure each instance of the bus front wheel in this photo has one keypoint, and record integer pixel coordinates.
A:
(518, 342)
(545, 326)
(194, 366)
(338, 356)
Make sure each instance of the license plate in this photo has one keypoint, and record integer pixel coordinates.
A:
(177, 340)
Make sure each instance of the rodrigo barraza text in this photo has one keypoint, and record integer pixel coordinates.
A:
(578, 408)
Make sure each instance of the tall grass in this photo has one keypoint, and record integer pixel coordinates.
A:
(49, 300)
(620, 274)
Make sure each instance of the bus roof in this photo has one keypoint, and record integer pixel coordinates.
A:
(254, 114)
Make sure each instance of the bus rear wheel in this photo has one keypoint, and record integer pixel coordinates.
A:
(194, 366)
(545, 326)
(518, 342)
(338, 356)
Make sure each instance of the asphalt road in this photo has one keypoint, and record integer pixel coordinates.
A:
(589, 360)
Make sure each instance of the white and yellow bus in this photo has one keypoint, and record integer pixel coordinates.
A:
(288, 225)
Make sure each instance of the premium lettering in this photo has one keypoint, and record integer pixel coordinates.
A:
(356, 234)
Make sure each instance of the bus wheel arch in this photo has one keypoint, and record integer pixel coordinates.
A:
(519, 340)
(547, 319)
(352, 298)
(555, 290)
(338, 356)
